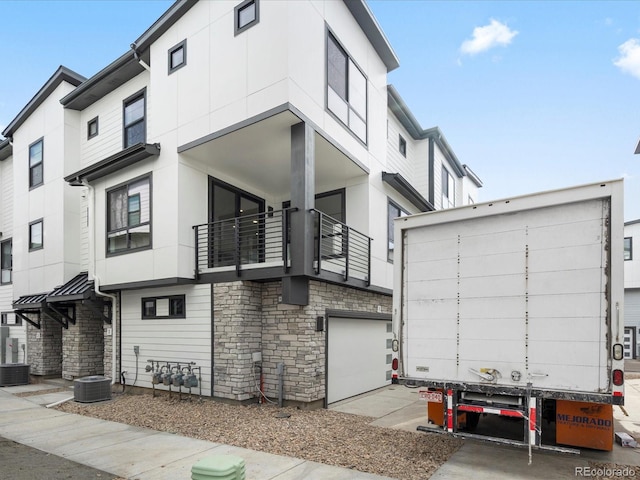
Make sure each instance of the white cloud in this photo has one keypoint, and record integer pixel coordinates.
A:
(495, 34)
(629, 59)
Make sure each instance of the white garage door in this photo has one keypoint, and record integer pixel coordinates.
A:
(359, 356)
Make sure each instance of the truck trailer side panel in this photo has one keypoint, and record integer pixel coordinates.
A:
(514, 294)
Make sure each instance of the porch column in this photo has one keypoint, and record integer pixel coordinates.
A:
(295, 289)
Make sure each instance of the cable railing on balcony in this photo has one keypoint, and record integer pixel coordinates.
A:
(341, 249)
(258, 239)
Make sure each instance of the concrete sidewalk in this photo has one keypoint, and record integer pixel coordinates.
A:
(133, 452)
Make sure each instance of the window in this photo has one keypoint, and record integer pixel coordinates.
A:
(628, 248)
(134, 120)
(247, 14)
(448, 189)
(92, 128)
(164, 307)
(346, 89)
(178, 56)
(129, 216)
(10, 318)
(36, 177)
(35, 235)
(393, 211)
(6, 261)
(403, 146)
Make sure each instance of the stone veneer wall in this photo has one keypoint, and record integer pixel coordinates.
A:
(44, 348)
(237, 333)
(83, 345)
(249, 317)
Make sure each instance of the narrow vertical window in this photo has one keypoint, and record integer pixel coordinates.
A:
(448, 189)
(36, 176)
(35, 235)
(246, 15)
(92, 128)
(346, 89)
(178, 56)
(402, 146)
(393, 212)
(628, 248)
(6, 261)
(134, 120)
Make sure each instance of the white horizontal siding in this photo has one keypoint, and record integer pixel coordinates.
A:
(6, 198)
(177, 340)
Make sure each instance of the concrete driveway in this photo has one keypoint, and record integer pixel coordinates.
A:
(400, 407)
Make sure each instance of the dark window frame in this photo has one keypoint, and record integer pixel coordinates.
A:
(402, 145)
(390, 229)
(171, 314)
(93, 121)
(630, 249)
(4, 319)
(237, 29)
(4, 267)
(180, 46)
(331, 37)
(445, 188)
(31, 224)
(127, 228)
(40, 164)
(142, 94)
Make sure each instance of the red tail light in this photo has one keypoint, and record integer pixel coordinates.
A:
(618, 377)
(394, 364)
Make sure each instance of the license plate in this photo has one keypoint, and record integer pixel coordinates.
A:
(430, 396)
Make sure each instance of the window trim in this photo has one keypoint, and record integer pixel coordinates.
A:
(10, 269)
(402, 145)
(89, 123)
(127, 101)
(170, 67)
(350, 59)
(144, 316)
(451, 201)
(31, 224)
(391, 203)
(41, 164)
(630, 248)
(237, 29)
(125, 251)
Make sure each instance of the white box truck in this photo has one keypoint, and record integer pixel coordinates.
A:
(514, 308)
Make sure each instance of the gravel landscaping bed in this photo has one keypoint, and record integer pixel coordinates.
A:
(324, 436)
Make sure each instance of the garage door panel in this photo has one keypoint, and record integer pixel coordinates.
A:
(359, 356)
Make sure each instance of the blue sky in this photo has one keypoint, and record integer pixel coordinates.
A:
(532, 95)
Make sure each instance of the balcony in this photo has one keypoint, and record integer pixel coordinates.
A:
(259, 247)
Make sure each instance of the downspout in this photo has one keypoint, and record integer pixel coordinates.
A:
(138, 58)
(96, 279)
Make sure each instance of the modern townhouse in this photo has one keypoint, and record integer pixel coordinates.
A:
(631, 289)
(220, 197)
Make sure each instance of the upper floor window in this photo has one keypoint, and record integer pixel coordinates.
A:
(346, 89)
(36, 176)
(92, 128)
(628, 248)
(247, 14)
(36, 235)
(178, 56)
(393, 212)
(448, 189)
(134, 120)
(6, 261)
(129, 216)
(402, 146)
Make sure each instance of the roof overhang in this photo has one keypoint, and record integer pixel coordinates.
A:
(62, 74)
(371, 28)
(402, 186)
(6, 149)
(78, 288)
(115, 162)
(31, 302)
